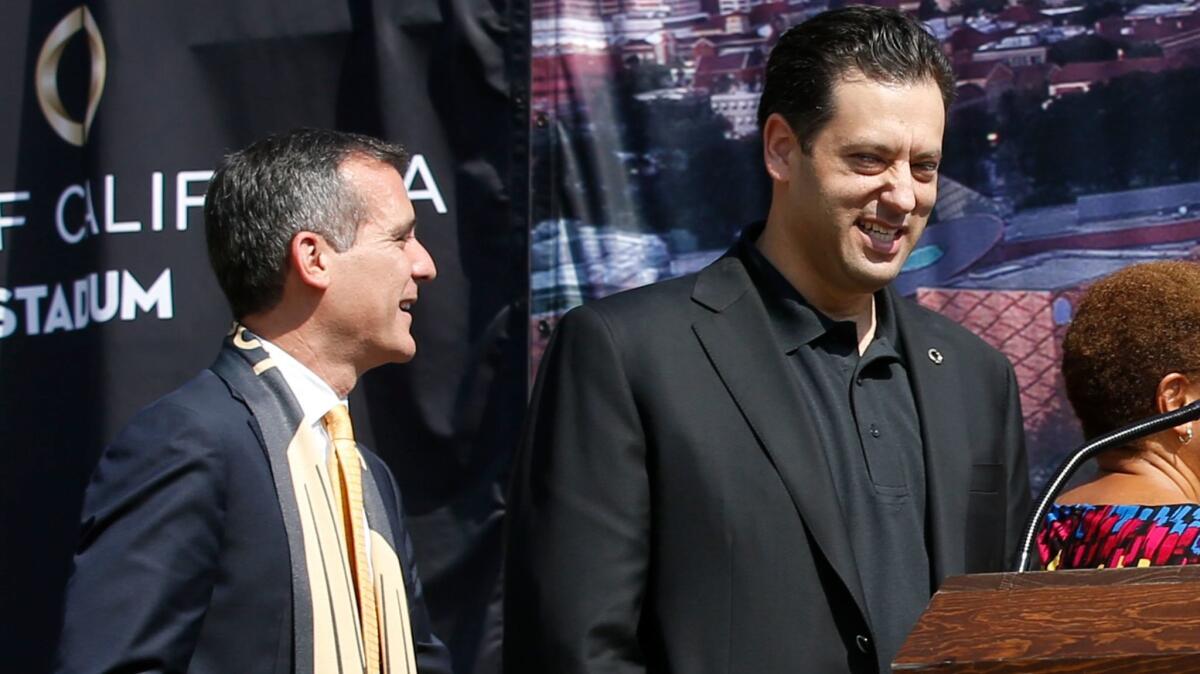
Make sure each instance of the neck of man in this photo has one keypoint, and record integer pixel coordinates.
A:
(787, 257)
(307, 344)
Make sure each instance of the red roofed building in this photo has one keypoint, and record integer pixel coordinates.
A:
(715, 45)
(997, 77)
(979, 72)
(610, 7)
(566, 79)
(717, 26)
(736, 22)
(963, 42)
(639, 51)
(1075, 78)
(1015, 50)
(703, 47)
(660, 49)
(542, 9)
(767, 13)
(744, 68)
(1022, 15)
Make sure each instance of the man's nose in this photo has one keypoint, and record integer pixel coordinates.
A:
(423, 266)
(898, 194)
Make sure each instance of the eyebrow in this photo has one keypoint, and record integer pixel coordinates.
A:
(879, 148)
(404, 229)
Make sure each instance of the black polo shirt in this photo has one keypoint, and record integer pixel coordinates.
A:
(867, 422)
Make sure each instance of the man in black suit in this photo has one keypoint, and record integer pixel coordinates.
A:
(234, 525)
(769, 466)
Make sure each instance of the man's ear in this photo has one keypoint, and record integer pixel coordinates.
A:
(309, 258)
(778, 143)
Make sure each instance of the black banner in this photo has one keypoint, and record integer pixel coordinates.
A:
(117, 113)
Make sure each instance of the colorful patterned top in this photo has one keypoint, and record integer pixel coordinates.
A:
(1116, 536)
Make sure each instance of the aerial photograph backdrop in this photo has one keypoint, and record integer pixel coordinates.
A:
(1071, 152)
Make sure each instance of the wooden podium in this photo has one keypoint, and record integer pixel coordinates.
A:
(1113, 620)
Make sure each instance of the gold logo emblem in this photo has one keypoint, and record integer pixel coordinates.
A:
(72, 131)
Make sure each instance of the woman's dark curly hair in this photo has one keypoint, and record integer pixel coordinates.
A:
(1131, 329)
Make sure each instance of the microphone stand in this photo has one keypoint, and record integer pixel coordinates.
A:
(1121, 436)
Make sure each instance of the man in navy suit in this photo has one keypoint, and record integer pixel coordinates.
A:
(234, 526)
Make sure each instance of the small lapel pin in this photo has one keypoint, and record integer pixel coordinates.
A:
(936, 356)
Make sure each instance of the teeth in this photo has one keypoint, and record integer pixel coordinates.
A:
(879, 233)
(405, 306)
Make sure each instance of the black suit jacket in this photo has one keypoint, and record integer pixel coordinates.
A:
(183, 562)
(672, 510)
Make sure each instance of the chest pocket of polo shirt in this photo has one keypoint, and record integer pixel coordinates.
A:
(885, 468)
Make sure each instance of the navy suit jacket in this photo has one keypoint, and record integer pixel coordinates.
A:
(182, 563)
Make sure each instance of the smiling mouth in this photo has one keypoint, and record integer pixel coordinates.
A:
(878, 232)
(407, 305)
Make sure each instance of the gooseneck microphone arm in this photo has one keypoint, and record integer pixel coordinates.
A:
(1108, 441)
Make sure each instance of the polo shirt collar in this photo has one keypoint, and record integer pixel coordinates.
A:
(795, 321)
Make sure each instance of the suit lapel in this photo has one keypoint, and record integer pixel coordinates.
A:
(934, 367)
(253, 378)
(740, 345)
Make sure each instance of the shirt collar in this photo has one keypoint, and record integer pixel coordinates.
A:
(795, 321)
(315, 396)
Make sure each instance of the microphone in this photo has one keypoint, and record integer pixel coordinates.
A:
(1121, 436)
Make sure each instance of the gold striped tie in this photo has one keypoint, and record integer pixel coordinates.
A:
(345, 461)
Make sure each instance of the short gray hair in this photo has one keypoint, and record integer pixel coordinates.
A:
(264, 195)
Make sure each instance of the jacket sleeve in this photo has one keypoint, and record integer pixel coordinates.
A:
(146, 559)
(1017, 479)
(579, 519)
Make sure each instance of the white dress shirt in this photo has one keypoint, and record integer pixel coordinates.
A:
(315, 396)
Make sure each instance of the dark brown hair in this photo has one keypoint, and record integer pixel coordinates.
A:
(882, 44)
(1131, 329)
